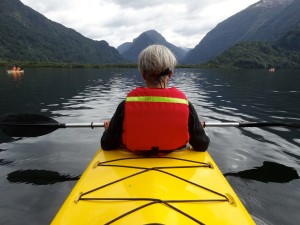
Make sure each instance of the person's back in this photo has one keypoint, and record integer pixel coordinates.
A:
(155, 117)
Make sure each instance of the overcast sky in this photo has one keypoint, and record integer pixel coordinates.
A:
(182, 22)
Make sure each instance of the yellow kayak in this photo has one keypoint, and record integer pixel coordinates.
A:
(181, 188)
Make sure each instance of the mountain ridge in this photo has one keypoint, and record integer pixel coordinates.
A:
(31, 37)
(131, 50)
(265, 20)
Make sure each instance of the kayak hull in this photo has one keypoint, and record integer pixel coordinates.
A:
(183, 187)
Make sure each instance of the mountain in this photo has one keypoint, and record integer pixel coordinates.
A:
(124, 47)
(185, 49)
(131, 50)
(256, 54)
(266, 20)
(28, 36)
(290, 41)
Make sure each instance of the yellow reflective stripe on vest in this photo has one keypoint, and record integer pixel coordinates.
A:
(156, 99)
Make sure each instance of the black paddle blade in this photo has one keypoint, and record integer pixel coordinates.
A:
(27, 125)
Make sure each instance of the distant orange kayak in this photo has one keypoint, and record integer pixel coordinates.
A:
(14, 71)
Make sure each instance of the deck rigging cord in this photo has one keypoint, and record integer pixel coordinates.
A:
(152, 201)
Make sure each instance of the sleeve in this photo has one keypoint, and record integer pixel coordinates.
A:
(112, 136)
(198, 139)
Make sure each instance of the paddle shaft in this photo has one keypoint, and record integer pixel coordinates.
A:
(251, 124)
(207, 124)
(34, 125)
(91, 125)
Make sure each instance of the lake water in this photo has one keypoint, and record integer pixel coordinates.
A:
(261, 164)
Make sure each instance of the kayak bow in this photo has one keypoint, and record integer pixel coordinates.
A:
(183, 187)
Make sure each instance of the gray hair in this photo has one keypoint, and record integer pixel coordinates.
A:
(155, 59)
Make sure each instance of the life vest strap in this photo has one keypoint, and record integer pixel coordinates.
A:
(157, 99)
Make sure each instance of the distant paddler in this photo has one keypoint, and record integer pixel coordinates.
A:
(15, 70)
(272, 69)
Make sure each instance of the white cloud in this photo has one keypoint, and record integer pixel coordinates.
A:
(183, 23)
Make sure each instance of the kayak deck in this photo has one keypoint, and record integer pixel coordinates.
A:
(183, 187)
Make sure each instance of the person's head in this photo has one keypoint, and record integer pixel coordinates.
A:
(156, 62)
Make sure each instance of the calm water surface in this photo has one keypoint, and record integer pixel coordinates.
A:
(262, 165)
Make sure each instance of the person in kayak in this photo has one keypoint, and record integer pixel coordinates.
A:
(155, 118)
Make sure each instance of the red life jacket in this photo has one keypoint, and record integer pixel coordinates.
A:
(155, 119)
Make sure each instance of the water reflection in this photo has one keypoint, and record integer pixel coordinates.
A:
(268, 172)
(294, 156)
(5, 162)
(85, 95)
(39, 177)
(17, 76)
(254, 92)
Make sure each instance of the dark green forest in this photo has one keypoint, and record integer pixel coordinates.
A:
(283, 54)
(26, 36)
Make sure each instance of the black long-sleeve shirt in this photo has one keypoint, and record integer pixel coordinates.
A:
(112, 136)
